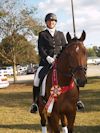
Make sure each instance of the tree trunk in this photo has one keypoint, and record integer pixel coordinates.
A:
(14, 69)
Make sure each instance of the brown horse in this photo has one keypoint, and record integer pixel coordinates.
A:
(71, 64)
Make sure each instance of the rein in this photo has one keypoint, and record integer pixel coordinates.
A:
(73, 71)
(56, 90)
(79, 68)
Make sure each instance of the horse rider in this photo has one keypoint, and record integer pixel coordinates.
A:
(50, 43)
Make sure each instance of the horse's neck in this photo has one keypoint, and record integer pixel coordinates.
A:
(63, 72)
(62, 63)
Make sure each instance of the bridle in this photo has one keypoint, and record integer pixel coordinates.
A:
(73, 70)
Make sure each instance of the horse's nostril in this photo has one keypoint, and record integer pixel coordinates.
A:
(81, 83)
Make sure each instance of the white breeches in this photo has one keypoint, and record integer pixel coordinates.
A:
(36, 77)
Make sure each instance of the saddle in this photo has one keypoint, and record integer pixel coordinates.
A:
(43, 72)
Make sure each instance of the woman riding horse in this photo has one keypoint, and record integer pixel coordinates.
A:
(50, 43)
(71, 65)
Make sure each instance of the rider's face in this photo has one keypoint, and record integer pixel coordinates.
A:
(51, 24)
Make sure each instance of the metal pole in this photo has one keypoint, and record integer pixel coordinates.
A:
(74, 30)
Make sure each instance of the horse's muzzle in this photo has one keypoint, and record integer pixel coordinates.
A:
(81, 83)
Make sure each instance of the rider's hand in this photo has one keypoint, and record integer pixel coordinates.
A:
(50, 59)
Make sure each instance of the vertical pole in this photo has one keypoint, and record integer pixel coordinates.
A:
(74, 30)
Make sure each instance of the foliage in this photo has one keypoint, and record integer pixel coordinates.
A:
(18, 19)
(2, 13)
(15, 50)
(97, 50)
(17, 46)
(91, 52)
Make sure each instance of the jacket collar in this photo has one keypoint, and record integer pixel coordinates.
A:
(55, 32)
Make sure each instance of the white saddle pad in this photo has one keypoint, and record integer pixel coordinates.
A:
(43, 86)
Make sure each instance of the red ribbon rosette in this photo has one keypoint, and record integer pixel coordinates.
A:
(55, 91)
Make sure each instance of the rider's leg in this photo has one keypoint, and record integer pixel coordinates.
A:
(80, 104)
(34, 106)
(36, 91)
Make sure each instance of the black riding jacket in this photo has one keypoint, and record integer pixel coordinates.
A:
(49, 46)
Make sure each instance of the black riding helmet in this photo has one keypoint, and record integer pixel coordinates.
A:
(50, 16)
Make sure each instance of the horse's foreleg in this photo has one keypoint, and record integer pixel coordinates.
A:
(64, 124)
(43, 124)
(71, 119)
(53, 124)
(64, 129)
(42, 115)
(44, 129)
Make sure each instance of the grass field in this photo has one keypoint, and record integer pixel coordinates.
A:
(15, 102)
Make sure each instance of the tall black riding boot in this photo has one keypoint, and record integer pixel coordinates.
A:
(34, 106)
(80, 104)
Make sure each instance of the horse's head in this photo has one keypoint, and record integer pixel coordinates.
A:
(77, 58)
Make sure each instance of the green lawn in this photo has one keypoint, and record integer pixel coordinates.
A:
(15, 102)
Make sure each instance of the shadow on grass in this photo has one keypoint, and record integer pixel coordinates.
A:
(16, 99)
(91, 98)
(87, 129)
(37, 127)
(92, 80)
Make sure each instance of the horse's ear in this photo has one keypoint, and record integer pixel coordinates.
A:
(68, 37)
(83, 36)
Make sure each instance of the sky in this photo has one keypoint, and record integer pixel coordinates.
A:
(86, 13)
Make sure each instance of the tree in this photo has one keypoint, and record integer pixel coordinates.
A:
(17, 50)
(17, 21)
(97, 51)
(91, 52)
(2, 13)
